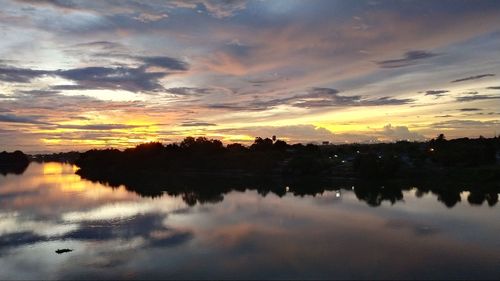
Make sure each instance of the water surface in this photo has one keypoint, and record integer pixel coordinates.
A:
(115, 233)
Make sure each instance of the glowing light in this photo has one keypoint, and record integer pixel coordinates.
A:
(52, 168)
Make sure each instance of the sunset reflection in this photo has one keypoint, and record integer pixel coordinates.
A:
(244, 235)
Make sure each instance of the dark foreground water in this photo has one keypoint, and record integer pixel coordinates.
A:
(114, 233)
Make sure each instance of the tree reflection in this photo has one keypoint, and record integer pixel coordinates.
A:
(203, 188)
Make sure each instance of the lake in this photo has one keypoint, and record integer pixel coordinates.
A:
(103, 232)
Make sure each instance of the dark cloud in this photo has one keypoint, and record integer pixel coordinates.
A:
(147, 12)
(125, 78)
(165, 62)
(331, 97)
(315, 98)
(10, 118)
(12, 240)
(64, 106)
(264, 80)
(474, 96)
(469, 109)
(69, 87)
(44, 93)
(410, 58)
(197, 124)
(100, 127)
(436, 93)
(475, 77)
(188, 91)
(322, 92)
(133, 79)
(20, 75)
(324, 97)
(99, 44)
(54, 3)
(218, 9)
(463, 124)
(386, 101)
(494, 88)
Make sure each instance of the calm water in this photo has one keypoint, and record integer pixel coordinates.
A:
(115, 233)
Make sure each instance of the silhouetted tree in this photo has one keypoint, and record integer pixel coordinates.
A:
(13, 163)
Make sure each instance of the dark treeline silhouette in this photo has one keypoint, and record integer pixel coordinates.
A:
(13, 163)
(63, 157)
(203, 170)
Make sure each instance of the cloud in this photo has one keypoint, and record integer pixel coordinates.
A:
(473, 77)
(44, 93)
(410, 58)
(131, 79)
(125, 78)
(465, 124)
(165, 62)
(20, 75)
(100, 44)
(11, 118)
(17, 239)
(400, 133)
(353, 47)
(386, 101)
(197, 124)
(218, 9)
(388, 133)
(474, 96)
(100, 127)
(188, 91)
(297, 133)
(469, 109)
(145, 11)
(65, 4)
(494, 88)
(436, 93)
(314, 98)
(148, 17)
(321, 97)
(225, 8)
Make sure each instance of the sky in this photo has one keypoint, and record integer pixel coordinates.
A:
(77, 74)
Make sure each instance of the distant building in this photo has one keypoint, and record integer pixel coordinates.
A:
(326, 143)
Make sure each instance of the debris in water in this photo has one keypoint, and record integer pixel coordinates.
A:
(62, 251)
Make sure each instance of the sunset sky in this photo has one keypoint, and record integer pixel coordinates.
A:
(78, 74)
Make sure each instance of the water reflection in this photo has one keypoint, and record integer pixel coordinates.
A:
(258, 233)
(208, 188)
